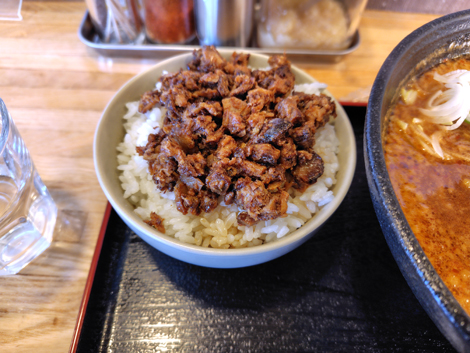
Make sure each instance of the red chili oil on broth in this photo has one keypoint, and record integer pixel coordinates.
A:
(434, 193)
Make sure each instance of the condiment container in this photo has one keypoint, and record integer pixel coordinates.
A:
(169, 21)
(116, 21)
(308, 24)
(224, 22)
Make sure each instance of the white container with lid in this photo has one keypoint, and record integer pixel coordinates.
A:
(308, 24)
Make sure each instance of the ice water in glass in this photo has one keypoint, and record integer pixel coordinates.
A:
(27, 212)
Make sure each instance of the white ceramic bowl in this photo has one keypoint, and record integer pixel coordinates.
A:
(110, 133)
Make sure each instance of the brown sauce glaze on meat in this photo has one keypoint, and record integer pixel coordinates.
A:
(234, 134)
(156, 221)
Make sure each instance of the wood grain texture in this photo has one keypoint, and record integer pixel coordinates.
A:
(55, 89)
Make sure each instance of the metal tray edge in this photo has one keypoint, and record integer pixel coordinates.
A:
(87, 32)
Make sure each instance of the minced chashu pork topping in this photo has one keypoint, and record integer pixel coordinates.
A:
(234, 132)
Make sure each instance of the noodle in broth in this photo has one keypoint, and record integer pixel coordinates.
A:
(432, 185)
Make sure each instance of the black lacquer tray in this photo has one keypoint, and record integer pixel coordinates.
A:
(339, 292)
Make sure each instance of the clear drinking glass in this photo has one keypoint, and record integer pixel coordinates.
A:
(27, 212)
(10, 10)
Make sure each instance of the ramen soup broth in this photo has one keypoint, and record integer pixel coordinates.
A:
(433, 191)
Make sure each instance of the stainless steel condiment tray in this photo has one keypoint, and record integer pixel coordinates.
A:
(89, 37)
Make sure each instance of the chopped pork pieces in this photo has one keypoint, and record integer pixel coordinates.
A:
(236, 133)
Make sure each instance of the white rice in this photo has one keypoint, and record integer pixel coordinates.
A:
(219, 228)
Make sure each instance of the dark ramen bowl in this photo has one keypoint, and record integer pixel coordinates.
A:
(444, 38)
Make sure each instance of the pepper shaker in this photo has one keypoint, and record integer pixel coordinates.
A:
(224, 22)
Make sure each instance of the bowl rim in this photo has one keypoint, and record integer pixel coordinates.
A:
(400, 238)
(292, 238)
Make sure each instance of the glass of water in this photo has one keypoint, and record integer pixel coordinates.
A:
(27, 212)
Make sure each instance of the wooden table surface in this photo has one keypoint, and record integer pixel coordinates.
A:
(55, 89)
